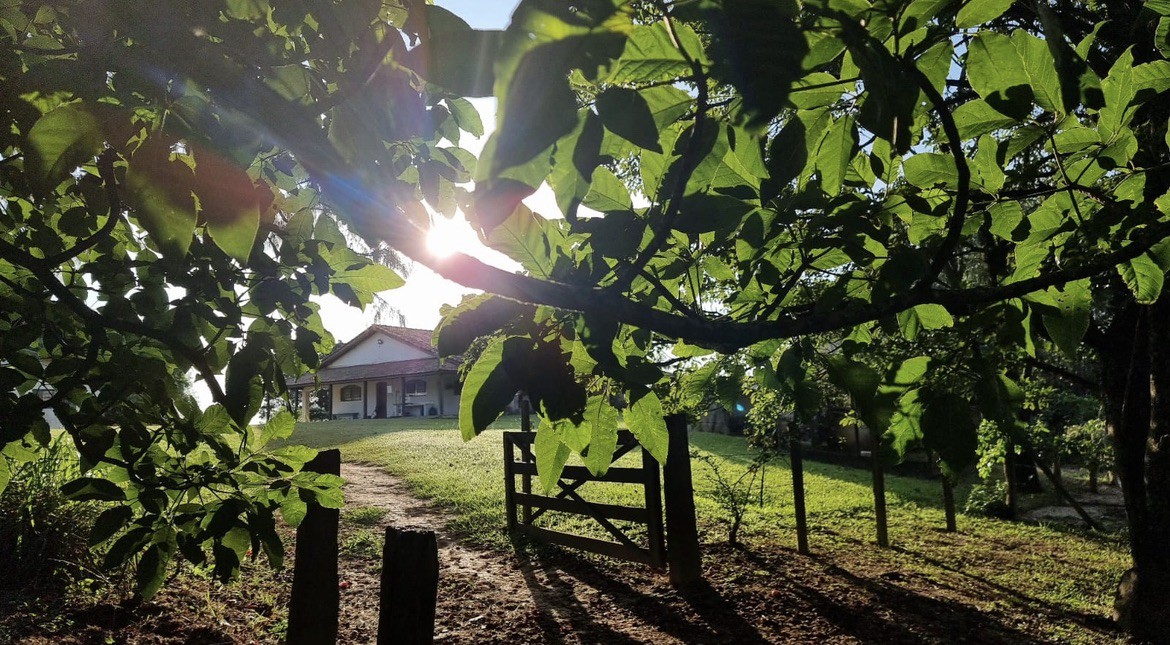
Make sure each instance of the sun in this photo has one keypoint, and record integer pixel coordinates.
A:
(449, 236)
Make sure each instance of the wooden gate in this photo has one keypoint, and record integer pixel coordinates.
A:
(523, 507)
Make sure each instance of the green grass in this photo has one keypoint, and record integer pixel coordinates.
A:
(1065, 568)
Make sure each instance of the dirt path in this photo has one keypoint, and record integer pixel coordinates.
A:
(851, 596)
(484, 596)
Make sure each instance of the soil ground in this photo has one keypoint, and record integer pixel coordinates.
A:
(856, 594)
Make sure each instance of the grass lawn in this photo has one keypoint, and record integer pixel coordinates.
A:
(1063, 569)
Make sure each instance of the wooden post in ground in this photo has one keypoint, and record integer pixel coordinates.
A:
(682, 534)
(410, 587)
(796, 455)
(509, 483)
(528, 451)
(315, 602)
(879, 494)
(654, 511)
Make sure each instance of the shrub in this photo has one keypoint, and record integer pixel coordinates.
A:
(987, 498)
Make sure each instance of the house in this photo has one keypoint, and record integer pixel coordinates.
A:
(384, 372)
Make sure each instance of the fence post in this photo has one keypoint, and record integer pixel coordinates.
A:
(653, 510)
(528, 457)
(410, 587)
(509, 482)
(682, 535)
(315, 601)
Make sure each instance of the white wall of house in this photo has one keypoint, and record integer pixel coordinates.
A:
(369, 351)
(345, 407)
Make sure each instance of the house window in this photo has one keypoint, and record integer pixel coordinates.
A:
(351, 393)
(416, 387)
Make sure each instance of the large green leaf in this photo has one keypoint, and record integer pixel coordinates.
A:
(1144, 278)
(475, 316)
(949, 428)
(161, 194)
(996, 71)
(644, 417)
(1068, 325)
(627, 114)
(977, 12)
(62, 139)
(601, 418)
(487, 390)
(976, 118)
(551, 455)
(758, 49)
(930, 169)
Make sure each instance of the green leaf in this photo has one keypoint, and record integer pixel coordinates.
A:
(475, 316)
(759, 49)
(607, 193)
(528, 238)
(5, 473)
(949, 428)
(62, 139)
(280, 426)
(228, 203)
(161, 193)
(152, 569)
(996, 71)
(487, 390)
(293, 509)
(109, 523)
(84, 489)
(930, 169)
(551, 455)
(1040, 67)
(644, 417)
(626, 113)
(601, 419)
(977, 12)
(650, 55)
(835, 154)
(1068, 326)
(976, 118)
(1144, 278)
(466, 116)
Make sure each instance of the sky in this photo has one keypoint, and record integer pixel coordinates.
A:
(425, 292)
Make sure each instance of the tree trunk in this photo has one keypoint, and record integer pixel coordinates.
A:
(879, 497)
(795, 452)
(1093, 481)
(1010, 473)
(1135, 360)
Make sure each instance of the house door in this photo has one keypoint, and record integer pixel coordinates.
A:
(380, 400)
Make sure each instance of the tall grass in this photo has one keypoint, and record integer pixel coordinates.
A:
(43, 535)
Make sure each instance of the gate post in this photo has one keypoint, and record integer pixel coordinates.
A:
(682, 535)
(315, 601)
(410, 587)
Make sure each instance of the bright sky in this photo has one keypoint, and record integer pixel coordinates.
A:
(425, 292)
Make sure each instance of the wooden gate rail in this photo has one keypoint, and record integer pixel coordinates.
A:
(524, 507)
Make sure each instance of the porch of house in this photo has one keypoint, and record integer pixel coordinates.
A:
(420, 395)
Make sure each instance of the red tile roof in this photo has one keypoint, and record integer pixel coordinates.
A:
(392, 369)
